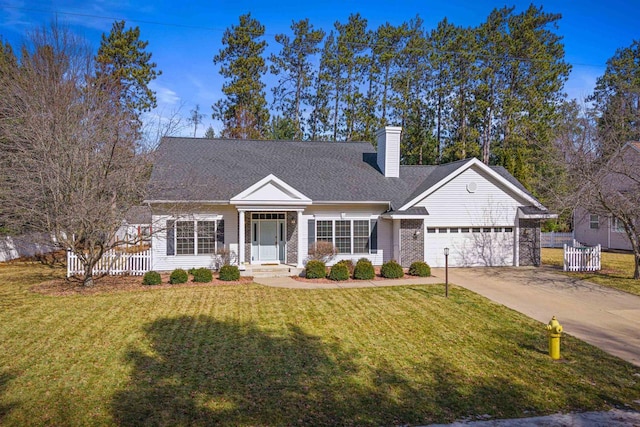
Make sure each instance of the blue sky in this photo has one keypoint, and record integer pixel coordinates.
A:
(184, 36)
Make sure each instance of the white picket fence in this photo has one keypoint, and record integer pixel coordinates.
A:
(581, 258)
(113, 263)
(555, 240)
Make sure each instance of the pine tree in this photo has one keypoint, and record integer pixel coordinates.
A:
(244, 110)
(616, 100)
(122, 57)
(210, 133)
(352, 57)
(293, 64)
(411, 107)
(532, 78)
(441, 70)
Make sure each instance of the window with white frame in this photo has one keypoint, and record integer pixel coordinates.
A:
(594, 222)
(192, 237)
(350, 236)
(617, 225)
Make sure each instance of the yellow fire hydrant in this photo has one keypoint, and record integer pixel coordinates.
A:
(555, 331)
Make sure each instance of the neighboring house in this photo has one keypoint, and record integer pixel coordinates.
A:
(592, 229)
(136, 226)
(268, 201)
(26, 246)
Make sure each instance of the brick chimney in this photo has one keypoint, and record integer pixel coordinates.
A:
(388, 140)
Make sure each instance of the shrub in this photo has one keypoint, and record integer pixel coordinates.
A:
(192, 271)
(151, 278)
(391, 270)
(229, 273)
(202, 275)
(316, 270)
(178, 276)
(224, 256)
(364, 270)
(339, 271)
(349, 264)
(322, 251)
(420, 268)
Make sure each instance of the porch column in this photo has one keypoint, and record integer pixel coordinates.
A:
(397, 244)
(300, 240)
(241, 237)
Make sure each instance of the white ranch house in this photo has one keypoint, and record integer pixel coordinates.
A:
(267, 201)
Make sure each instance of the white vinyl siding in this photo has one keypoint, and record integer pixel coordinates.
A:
(477, 226)
(488, 206)
(361, 216)
(229, 235)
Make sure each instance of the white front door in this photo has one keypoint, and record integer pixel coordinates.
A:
(268, 241)
(268, 237)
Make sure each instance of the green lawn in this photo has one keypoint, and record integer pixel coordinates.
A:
(252, 355)
(617, 270)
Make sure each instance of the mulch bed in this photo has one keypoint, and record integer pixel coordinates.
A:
(111, 284)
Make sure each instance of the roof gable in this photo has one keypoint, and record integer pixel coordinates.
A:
(268, 190)
(452, 170)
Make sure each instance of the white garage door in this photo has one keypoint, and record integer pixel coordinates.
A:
(470, 246)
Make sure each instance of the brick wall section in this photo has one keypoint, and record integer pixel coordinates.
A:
(529, 242)
(411, 247)
(292, 238)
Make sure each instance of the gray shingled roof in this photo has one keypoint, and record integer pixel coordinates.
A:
(197, 169)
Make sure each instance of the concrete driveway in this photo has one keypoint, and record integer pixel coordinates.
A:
(603, 317)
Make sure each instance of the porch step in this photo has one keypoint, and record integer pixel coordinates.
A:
(271, 270)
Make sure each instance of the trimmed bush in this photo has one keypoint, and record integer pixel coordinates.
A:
(349, 264)
(316, 269)
(178, 276)
(339, 271)
(192, 271)
(151, 278)
(420, 268)
(391, 270)
(364, 270)
(202, 275)
(229, 273)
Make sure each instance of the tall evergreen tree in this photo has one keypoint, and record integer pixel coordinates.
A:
(440, 54)
(244, 110)
(388, 43)
(353, 46)
(411, 107)
(534, 74)
(616, 100)
(464, 134)
(294, 67)
(122, 57)
(325, 116)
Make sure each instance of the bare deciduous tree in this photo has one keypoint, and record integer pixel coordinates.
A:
(67, 147)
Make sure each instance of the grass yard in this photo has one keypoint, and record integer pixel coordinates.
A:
(617, 270)
(253, 355)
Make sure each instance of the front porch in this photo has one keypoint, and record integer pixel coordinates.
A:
(269, 237)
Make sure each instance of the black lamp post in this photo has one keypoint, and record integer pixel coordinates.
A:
(446, 272)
